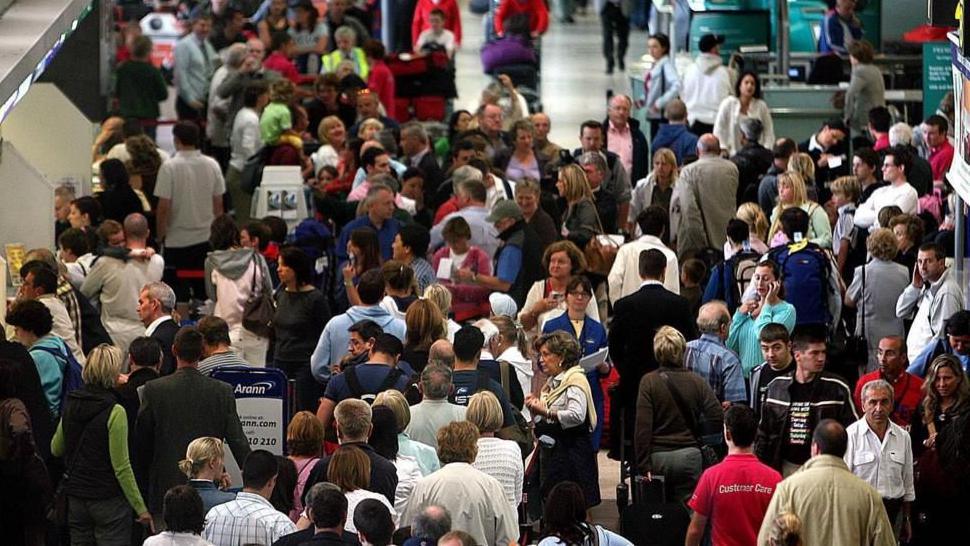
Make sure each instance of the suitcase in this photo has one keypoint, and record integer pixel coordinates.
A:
(650, 520)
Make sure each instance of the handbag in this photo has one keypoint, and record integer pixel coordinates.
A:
(519, 432)
(708, 434)
(57, 509)
(259, 309)
(599, 255)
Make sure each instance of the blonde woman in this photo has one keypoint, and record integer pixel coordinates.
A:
(368, 129)
(500, 459)
(203, 466)
(441, 297)
(657, 188)
(581, 221)
(424, 454)
(792, 193)
(803, 164)
(101, 492)
(332, 135)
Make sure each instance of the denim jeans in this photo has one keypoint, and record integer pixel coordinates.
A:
(105, 522)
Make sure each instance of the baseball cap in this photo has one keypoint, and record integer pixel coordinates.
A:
(506, 208)
(709, 42)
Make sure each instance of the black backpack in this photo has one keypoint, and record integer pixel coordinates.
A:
(357, 391)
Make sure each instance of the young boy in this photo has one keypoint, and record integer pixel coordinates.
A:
(437, 34)
(276, 116)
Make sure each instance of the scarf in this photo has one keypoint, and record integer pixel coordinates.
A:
(573, 377)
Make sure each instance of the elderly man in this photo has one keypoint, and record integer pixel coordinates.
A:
(541, 142)
(710, 358)
(471, 196)
(881, 453)
(752, 159)
(156, 302)
(608, 209)
(368, 106)
(625, 139)
(416, 147)
(624, 277)
(826, 482)
(379, 217)
(464, 490)
(706, 198)
(616, 180)
(934, 295)
(490, 123)
(434, 411)
(908, 388)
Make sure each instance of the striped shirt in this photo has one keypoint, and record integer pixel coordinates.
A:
(228, 358)
(709, 358)
(250, 519)
(423, 273)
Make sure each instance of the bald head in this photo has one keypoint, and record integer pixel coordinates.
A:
(714, 318)
(136, 227)
(829, 438)
(442, 352)
(708, 145)
(619, 112)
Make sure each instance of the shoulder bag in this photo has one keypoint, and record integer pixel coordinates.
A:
(706, 434)
(599, 255)
(259, 309)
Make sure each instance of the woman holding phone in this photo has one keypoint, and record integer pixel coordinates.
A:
(761, 304)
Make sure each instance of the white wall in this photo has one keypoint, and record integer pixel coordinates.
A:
(27, 203)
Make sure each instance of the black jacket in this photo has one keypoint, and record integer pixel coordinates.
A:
(87, 411)
(641, 157)
(433, 175)
(523, 236)
(127, 396)
(308, 537)
(164, 334)
(753, 161)
(825, 174)
(383, 474)
(28, 389)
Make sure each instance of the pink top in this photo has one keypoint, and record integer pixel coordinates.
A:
(381, 81)
(304, 465)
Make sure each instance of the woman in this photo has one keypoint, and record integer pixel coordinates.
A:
(792, 193)
(380, 80)
(908, 230)
(657, 188)
(762, 303)
(665, 443)
(751, 214)
(184, 517)
(399, 287)
(369, 129)
(425, 325)
(547, 299)
(304, 440)
(143, 167)
(511, 345)
(233, 276)
(332, 135)
(275, 21)
(591, 337)
(500, 459)
(866, 88)
(458, 123)
(746, 103)
(85, 213)
(118, 199)
(662, 83)
(521, 161)
(564, 411)
(383, 439)
(364, 252)
(804, 165)
(101, 491)
(470, 300)
(874, 290)
(937, 512)
(310, 35)
(440, 296)
(302, 311)
(425, 455)
(203, 466)
(581, 221)
(565, 520)
(349, 469)
(528, 195)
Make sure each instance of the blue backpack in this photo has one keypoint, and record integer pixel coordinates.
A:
(805, 269)
(71, 380)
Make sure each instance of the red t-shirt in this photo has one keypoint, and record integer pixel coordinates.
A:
(734, 495)
(908, 394)
(278, 62)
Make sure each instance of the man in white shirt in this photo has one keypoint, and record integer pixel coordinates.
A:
(250, 519)
(624, 276)
(244, 141)
(156, 301)
(881, 453)
(189, 191)
(934, 295)
(899, 192)
(40, 283)
(706, 83)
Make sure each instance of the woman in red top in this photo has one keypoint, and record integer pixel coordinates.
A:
(535, 10)
(380, 80)
(422, 18)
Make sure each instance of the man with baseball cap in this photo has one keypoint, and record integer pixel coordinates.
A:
(518, 260)
(706, 84)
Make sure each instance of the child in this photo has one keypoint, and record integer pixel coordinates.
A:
(76, 255)
(468, 299)
(437, 34)
(692, 274)
(276, 116)
(845, 195)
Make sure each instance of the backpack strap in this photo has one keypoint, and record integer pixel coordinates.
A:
(390, 379)
(353, 382)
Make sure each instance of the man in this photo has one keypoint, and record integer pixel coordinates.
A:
(461, 172)
(865, 166)
(379, 217)
(920, 175)
(706, 193)
(879, 122)
(541, 142)
(354, 426)
(471, 195)
(363, 334)
(795, 403)
(179, 408)
(710, 358)
(908, 388)
(434, 411)
(616, 181)
(216, 346)
(934, 295)
(729, 280)
(195, 61)
(251, 518)
(416, 147)
(227, 28)
(345, 38)
(374, 160)
(116, 284)
(39, 283)
(840, 28)
(826, 482)
(337, 17)
(368, 106)
(468, 379)
(614, 20)
(706, 84)
(335, 338)
(636, 319)
(733, 495)
(956, 343)
(941, 151)
(624, 277)
(625, 139)
(899, 192)
(381, 372)
(189, 192)
(374, 523)
(432, 523)
(63, 195)
(828, 145)
(674, 134)
(156, 302)
(612, 216)
(144, 358)
(411, 246)
(753, 160)
(464, 490)
(85, 318)
(327, 510)
(776, 348)
(490, 119)
(781, 152)
(881, 453)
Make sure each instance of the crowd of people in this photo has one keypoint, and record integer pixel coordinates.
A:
(467, 321)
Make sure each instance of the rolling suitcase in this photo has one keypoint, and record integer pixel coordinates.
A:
(650, 520)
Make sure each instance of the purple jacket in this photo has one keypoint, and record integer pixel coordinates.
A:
(506, 51)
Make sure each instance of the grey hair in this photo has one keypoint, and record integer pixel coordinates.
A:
(433, 522)
(377, 185)
(465, 173)
(752, 129)
(414, 129)
(706, 324)
(64, 191)
(235, 55)
(345, 32)
(318, 488)
(161, 292)
(595, 159)
(436, 380)
(900, 133)
(877, 384)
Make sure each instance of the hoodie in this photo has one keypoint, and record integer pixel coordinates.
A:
(676, 137)
(229, 281)
(335, 338)
(706, 84)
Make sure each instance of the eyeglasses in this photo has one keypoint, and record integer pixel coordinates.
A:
(580, 294)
